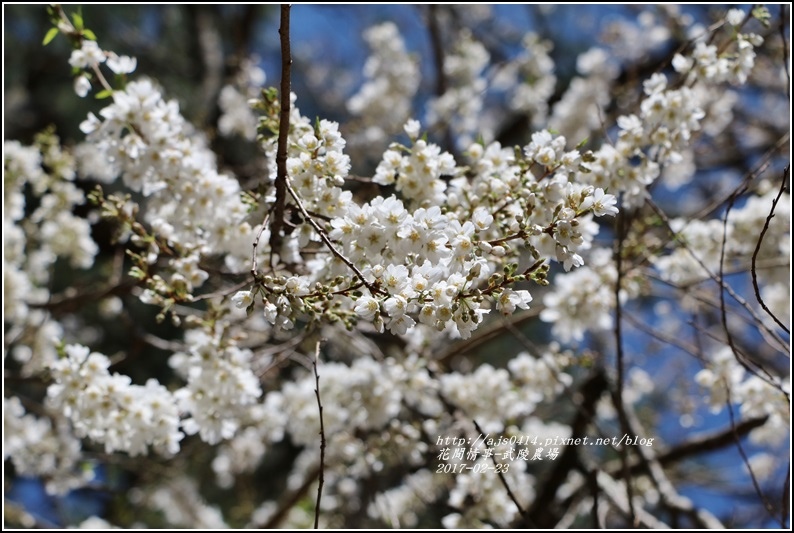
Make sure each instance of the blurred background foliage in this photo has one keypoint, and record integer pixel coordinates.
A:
(193, 50)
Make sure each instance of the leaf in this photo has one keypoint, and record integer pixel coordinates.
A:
(77, 18)
(101, 95)
(762, 14)
(88, 34)
(51, 34)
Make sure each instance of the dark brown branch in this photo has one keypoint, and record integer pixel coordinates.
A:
(723, 311)
(322, 438)
(503, 480)
(782, 28)
(283, 133)
(438, 48)
(210, 49)
(784, 502)
(373, 288)
(543, 513)
(592, 484)
(709, 442)
(290, 500)
(670, 497)
(620, 230)
(769, 217)
(437, 45)
(723, 286)
(765, 502)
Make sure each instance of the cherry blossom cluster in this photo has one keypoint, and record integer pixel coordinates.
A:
(39, 446)
(702, 244)
(34, 241)
(237, 117)
(391, 78)
(460, 106)
(109, 409)
(536, 81)
(221, 387)
(732, 381)
(421, 263)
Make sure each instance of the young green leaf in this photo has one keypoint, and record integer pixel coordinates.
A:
(51, 33)
(77, 18)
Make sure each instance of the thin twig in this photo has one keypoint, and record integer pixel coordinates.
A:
(662, 337)
(502, 478)
(371, 286)
(437, 45)
(741, 301)
(322, 437)
(782, 29)
(763, 163)
(226, 291)
(254, 266)
(784, 502)
(639, 517)
(592, 482)
(758, 249)
(723, 312)
(79, 34)
(782, 345)
(767, 506)
(669, 495)
(620, 229)
(486, 333)
(283, 133)
(290, 500)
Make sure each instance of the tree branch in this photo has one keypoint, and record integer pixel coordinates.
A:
(620, 234)
(782, 28)
(741, 301)
(371, 286)
(769, 217)
(764, 501)
(283, 134)
(542, 513)
(503, 480)
(322, 437)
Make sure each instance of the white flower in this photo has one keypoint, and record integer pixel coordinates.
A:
(482, 218)
(401, 324)
(566, 234)
(243, 299)
(601, 203)
(89, 54)
(271, 312)
(734, 17)
(412, 129)
(366, 307)
(681, 63)
(81, 86)
(510, 299)
(396, 306)
(121, 64)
